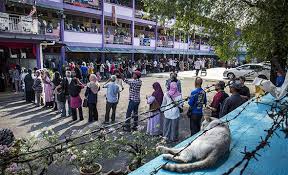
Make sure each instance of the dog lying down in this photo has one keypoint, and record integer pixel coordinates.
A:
(204, 152)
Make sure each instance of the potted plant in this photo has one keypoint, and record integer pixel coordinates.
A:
(140, 147)
(87, 157)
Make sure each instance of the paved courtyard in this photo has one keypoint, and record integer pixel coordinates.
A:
(25, 119)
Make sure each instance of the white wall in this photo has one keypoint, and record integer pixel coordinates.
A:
(152, 43)
(136, 41)
(56, 1)
(205, 47)
(82, 37)
(176, 45)
(120, 10)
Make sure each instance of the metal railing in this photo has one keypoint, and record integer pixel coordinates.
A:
(25, 24)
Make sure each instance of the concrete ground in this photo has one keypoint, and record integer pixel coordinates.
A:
(212, 74)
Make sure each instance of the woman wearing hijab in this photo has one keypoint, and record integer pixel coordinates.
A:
(171, 116)
(28, 80)
(155, 101)
(91, 94)
(48, 90)
(74, 89)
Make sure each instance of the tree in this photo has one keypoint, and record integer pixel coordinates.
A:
(260, 25)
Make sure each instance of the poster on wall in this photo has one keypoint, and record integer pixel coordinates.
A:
(26, 24)
(4, 22)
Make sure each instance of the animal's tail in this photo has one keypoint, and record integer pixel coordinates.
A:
(189, 167)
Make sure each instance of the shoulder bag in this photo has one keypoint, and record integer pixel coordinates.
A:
(180, 109)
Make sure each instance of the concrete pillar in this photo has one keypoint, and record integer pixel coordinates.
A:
(39, 56)
(133, 23)
(102, 23)
(156, 36)
(63, 55)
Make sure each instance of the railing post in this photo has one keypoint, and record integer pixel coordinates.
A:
(39, 61)
(156, 36)
(133, 23)
(63, 54)
(102, 23)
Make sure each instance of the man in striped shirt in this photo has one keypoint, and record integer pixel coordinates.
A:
(134, 100)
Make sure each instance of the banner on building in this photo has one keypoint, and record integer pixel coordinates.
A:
(4, 21)
(26, 24)
(114, 15)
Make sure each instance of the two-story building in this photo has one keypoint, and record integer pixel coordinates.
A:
(36, 32)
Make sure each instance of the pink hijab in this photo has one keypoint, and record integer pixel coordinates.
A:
(173, 91)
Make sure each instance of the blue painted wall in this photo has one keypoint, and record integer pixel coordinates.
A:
(246, 131)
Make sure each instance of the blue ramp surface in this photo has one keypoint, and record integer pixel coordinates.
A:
(246, 131)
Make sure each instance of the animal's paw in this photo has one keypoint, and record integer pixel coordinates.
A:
(160, 148)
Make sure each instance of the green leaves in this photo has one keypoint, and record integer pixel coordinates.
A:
(263, 24)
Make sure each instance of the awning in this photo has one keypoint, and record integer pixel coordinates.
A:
(82, 49)
(119, 50)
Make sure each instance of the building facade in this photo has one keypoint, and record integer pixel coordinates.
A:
(36, 32)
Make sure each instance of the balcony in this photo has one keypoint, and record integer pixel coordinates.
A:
(18, 24)
(120, 11)
(118, 39)
(144, 42)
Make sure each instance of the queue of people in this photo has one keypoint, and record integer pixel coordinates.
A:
(166, 105)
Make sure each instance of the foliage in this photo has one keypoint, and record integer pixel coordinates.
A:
(87, 156)
(262, 25)
(22, 146)
(140, 146)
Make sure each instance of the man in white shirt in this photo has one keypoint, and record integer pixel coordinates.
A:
(197, 66)
(155, 65)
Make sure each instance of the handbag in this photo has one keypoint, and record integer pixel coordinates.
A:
(155, 106)
(180, 109)
(85, 103)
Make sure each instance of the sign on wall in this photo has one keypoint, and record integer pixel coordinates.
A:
(4, 22)
(26, 24)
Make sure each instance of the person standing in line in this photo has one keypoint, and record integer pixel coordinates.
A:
(196, 102)
(63, 92)
(234, 101)
(22, 83)
(78, 73)
(218, 99)
(155, 65)
(155, 100)
(173, 78)
(84, 70)
(38, 87)
(134, 100)
(16, 79)
(171, 116)
(102, 69)
(29, 92)
(91, 94)
(56, 82)
(74, 90)
(112, 97)
(244, 91)
(197, 66)
(91, 68)
(48, 90)
(280, 78)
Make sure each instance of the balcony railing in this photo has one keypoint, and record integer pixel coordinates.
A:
(118, 39)
(24, 24)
